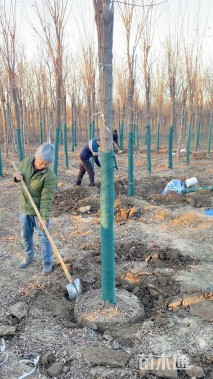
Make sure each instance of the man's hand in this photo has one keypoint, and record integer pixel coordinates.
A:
(19, 176)
(41, 224)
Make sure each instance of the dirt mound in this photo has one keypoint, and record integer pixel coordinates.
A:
(200, 199)
(170, 198)
(73, 198)
(200, 155)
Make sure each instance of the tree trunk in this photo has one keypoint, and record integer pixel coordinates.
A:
(4, 120)
(104, 17)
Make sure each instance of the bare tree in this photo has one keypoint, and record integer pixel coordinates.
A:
(121, 78)
(4, 119)
(52, 17)
(173, 45)
(158, 92)
(104, 17)
(9, 51)
(146, 40)
(126, 11)
(193, 47)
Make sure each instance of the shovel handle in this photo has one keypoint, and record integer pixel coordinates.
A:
(115, 144)
(52, 243)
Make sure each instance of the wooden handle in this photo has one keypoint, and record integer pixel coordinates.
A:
(52, 243)
(115, 144)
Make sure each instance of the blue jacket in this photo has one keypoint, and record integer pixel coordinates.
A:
(89, 150)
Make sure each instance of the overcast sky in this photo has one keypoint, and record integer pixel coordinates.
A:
(167, 13)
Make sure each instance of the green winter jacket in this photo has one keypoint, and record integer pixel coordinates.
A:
(41, 186)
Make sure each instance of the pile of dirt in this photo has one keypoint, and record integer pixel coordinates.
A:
(72, 199)
(170, 198)
(200, 155)
(146, 271)
(200, 199)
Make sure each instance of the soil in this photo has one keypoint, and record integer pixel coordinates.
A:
(163, 255)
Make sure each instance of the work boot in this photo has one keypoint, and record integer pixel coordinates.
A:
(47, 269)
(26, 262)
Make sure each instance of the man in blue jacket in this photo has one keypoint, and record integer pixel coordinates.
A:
(89, 150)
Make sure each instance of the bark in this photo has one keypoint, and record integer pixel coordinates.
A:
(104, 16)
(4, 121)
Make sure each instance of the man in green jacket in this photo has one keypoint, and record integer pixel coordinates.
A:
(41, 182)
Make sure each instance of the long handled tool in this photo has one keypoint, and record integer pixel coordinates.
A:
(119, 151)
(74, 288)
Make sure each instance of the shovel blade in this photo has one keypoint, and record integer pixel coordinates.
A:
(74, 289)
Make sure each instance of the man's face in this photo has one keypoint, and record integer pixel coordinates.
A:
(39, 164)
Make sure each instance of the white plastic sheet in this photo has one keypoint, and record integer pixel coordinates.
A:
(3, 355)
(26, 361)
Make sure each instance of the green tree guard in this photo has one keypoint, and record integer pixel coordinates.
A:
(148, 149)
(61, 135)
(188, 144)
(171, 131)
(56, 146)
(197, 136)
(65, 147)
(73, 136)
(1, 170)
(209, 138)
(23, 142)
(19, 143)
(158, 137)
(145, 137)
(119, 130)
(92, 130)
(195, 189)
(92, 134)
(121, 139)
(134, 133)
(41, 133)
(130, 164)
(107, 227)
(115, 163)
(199, 126)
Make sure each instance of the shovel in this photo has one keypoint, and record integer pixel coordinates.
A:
(74, 288)
(119, 151)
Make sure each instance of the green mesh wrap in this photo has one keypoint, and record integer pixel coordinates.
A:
(170, 162)
(107, 227)
(57, 135)
(130, 164)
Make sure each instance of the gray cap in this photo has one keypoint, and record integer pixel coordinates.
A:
(45, 152)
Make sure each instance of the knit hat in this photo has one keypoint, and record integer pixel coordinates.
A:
(45, 152)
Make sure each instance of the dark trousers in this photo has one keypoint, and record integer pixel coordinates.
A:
(85, 166)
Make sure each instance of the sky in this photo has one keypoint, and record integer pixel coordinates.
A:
(168, 15)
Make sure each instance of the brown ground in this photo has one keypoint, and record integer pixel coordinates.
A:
(163, 251)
